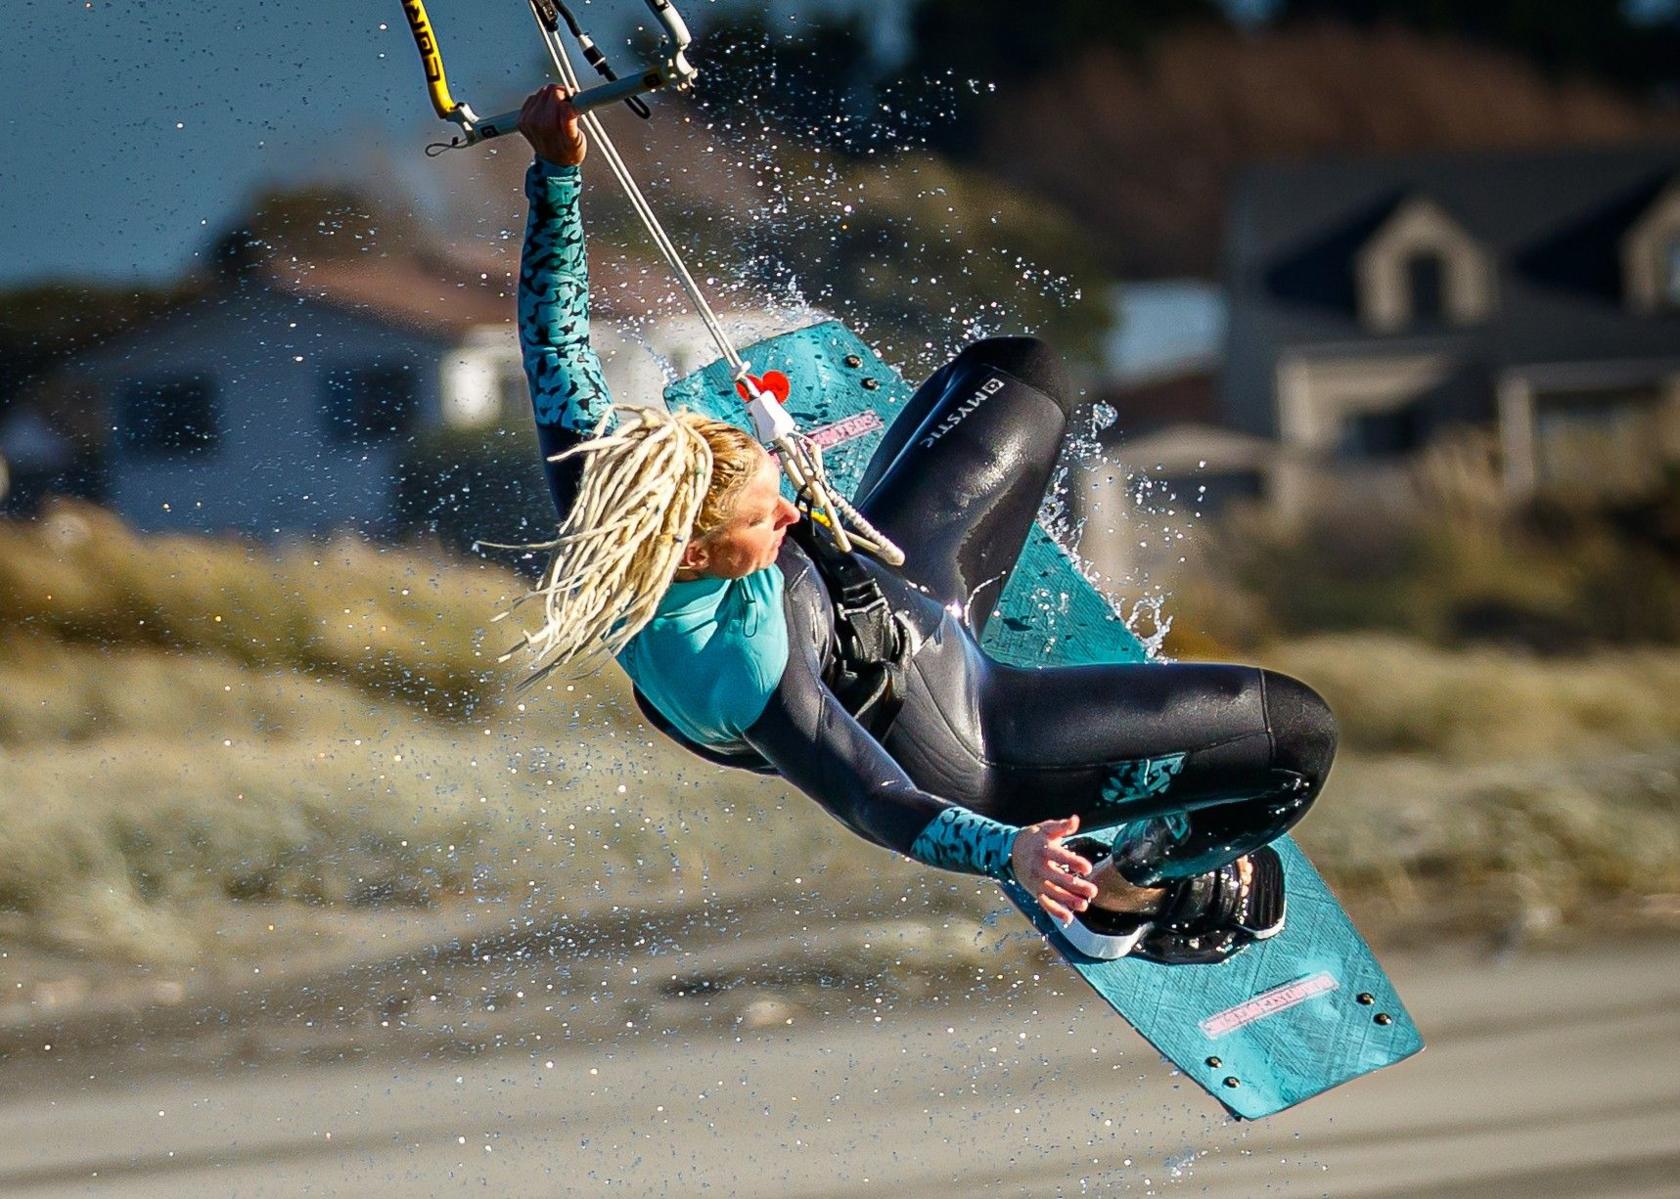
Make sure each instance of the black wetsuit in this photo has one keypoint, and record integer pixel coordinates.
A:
(1206, 762)
(1211, 760)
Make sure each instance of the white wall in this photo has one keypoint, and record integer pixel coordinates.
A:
(275, 467)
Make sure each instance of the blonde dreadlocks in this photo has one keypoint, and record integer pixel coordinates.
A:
(656, 482)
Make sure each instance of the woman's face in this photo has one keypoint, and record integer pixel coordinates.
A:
(749, 539)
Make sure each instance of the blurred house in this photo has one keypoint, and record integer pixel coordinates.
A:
(34, 456)
(1503, 325)
(287, 402)
(1385, 309)
(1167, 459)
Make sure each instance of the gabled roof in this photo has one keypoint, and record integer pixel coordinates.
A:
(1506, 201)
(443, 294)
(433, 297)
(453, 291)
(1551, 222)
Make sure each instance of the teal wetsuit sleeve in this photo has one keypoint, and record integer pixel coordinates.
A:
(567, 388)
(568, 392)
(742, 699)
(958, 839)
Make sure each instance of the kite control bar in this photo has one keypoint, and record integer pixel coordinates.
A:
(801, 458)
(673, 70)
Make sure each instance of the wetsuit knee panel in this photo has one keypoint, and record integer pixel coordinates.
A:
(1028, 359)
(1302, 728)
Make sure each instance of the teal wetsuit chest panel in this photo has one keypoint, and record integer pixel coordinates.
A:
(713, 654)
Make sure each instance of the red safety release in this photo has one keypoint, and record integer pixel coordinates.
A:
(773, 382)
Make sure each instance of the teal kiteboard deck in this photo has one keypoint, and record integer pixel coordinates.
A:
(1281, 1021)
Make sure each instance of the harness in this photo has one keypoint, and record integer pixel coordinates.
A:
(866, 671)
(871, 645)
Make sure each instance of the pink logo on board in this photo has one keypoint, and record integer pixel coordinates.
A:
(849, 429)
(1267, 1003)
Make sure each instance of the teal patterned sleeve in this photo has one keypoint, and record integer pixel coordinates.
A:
(564, 374)
(958, 839)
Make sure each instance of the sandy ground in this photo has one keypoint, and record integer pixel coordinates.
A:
(1550, 1074)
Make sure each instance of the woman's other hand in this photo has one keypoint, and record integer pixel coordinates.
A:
(1055, 876)
(550, 124)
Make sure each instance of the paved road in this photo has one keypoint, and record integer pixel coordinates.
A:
(1548, 1076)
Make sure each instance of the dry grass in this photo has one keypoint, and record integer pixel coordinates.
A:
(137, 802)
(1505, 790)
(396, 623)
(1505, 846)
(158, 765)
(1394, 695)
(187, 722)
(1451, 572)
(166, 787)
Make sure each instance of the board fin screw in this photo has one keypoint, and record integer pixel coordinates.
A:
(1233, 1082)
(871, 384)
(853, 361)
(1214, 1063)
(1366, 998)
(1383, 1018)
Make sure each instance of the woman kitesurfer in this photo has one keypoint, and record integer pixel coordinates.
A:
(752, 641)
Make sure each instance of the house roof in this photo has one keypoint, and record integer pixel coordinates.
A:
(453, 291)
(442, 294)
(1551, 222)
(447, 300)
(1503, 200)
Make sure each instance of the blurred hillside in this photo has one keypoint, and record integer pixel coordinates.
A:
(915, 251)
(1031, 160)
(1137, 120)
(1146, 148)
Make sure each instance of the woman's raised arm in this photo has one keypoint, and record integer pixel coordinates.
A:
(568, 392)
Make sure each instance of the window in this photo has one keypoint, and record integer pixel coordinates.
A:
(1426, 287)
(515, 393)
(364, 405)
(1389, 434)
(1208, 493)
(170, 417)
(1599, 442)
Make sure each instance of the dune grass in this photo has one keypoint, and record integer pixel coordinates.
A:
(338, 742)
(1464, 569)
(143, 790)
(399, 624)
(1489, 788)
(1511, 783)
(1394, 695)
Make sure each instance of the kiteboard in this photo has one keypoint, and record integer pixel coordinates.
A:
(1279, 1022)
